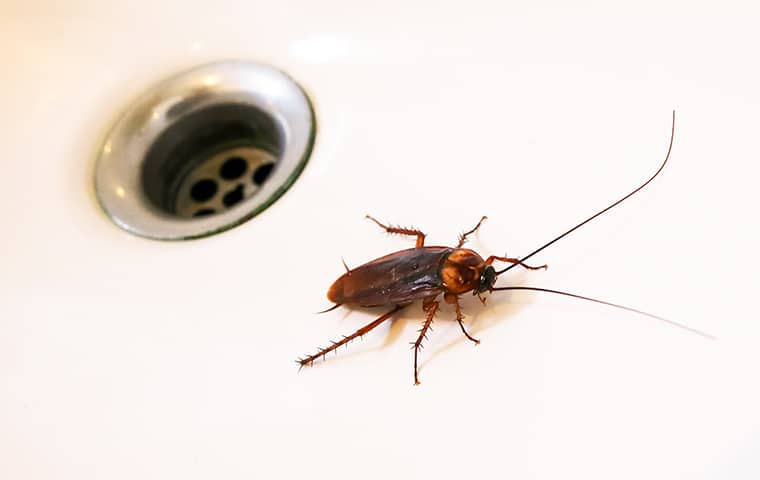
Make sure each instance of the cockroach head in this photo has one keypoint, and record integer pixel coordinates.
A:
(486, 280)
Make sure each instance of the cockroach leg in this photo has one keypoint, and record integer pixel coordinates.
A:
(430, 306)
(513, 261)
(463, 237)
(452, 299)
(402, 231)
(359, 333)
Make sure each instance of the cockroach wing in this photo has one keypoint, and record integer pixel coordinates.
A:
(398, 278)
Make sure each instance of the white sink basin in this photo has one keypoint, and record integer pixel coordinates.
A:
(122, 357)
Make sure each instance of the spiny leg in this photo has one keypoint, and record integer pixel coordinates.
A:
(452, 299)
(401, 231)
(430, 306)
(490, 260)
(335, 345)
(463, 237)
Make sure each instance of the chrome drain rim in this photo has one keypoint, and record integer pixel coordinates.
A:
(276, 125)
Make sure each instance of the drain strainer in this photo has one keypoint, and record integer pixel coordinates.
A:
(223, 181)
(204, 151)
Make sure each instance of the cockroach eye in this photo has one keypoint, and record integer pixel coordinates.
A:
(487, 279)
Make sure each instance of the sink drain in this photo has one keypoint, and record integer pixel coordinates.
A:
(204, 151)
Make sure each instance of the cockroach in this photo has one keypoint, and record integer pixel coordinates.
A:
(425, 272)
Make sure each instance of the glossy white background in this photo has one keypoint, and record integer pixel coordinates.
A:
(122, 357)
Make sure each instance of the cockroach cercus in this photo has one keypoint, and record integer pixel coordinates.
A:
(424, 273)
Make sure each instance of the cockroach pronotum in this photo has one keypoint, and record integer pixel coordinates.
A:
(424, 273)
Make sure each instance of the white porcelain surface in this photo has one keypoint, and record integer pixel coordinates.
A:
(122, 357)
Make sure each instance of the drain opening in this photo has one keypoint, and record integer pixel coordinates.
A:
(203, 190)
(203, 212)
(233, 168)
(262, 173)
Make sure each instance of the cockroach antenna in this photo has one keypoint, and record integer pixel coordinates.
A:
(560, 237)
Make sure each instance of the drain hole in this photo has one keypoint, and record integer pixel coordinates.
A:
(233, 168)
(203, 212)
(233, 197)
(262, 173)
(203, 190)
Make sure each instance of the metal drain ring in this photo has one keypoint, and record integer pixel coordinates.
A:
(150, 160)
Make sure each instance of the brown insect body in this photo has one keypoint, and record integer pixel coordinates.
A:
(408, 275)
(419, 273)
(424, 273)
